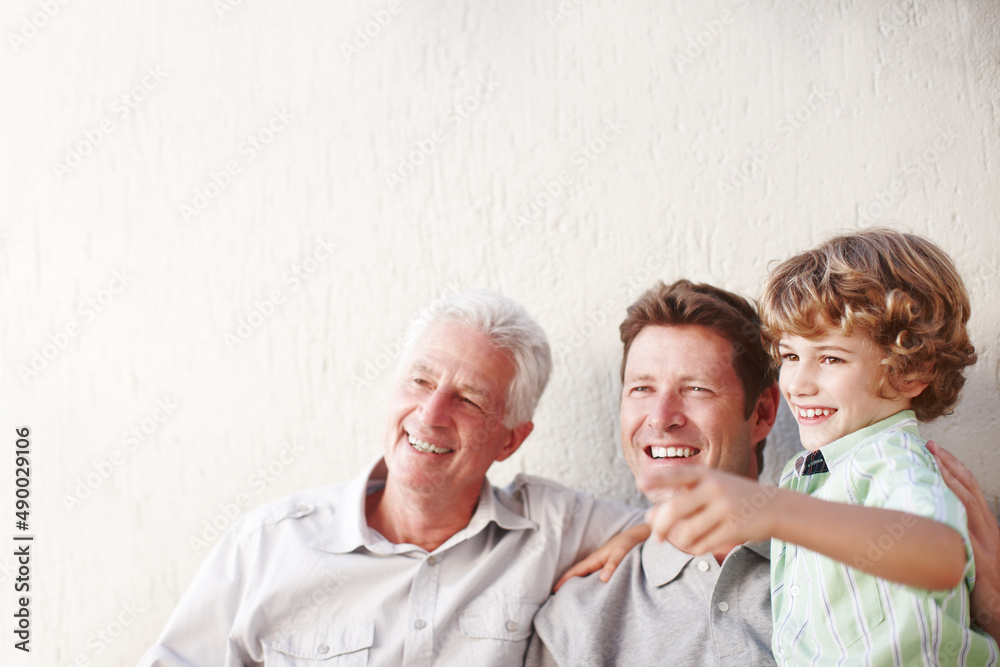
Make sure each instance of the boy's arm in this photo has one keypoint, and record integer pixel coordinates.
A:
(715, 508)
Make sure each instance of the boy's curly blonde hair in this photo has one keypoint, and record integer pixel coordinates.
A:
(897, 288)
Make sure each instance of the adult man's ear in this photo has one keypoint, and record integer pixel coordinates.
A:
(515, 438)
(764, 413)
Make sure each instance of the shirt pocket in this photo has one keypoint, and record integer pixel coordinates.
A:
(860, 609)
(323, 645)
(506, 620)
(856, 611)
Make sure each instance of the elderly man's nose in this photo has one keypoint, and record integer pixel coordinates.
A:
(433, 408)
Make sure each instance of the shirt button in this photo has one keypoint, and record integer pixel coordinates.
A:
(511, 626)
(703, 566)
(432, 560)
(323, 648)
(793, 591)
(420, 625)
(723, 606)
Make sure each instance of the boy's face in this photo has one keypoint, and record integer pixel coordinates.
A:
(831, 385)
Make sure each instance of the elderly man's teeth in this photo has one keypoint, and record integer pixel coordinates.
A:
(425, 447)
(670, 452)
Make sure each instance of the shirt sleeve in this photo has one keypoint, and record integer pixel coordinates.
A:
(602, 520)
(898, 473)
(199, 633)
(583, 523)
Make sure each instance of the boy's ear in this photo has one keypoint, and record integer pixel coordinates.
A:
(911, 388)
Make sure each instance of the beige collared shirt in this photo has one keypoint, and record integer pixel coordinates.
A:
(305, 579)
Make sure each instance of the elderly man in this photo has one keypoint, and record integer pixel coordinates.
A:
(418, 560)
(698, 389)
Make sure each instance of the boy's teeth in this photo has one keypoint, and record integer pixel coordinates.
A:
(812, 412)
(425, 447)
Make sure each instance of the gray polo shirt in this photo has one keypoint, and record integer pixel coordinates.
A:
(662, 607)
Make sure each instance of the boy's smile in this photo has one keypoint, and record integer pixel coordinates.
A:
(831, 386)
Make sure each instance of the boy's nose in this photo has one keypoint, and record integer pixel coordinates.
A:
(801, 381)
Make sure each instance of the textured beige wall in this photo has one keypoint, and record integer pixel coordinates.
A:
(170, 169)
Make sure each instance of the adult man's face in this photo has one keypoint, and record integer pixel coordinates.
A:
(446, 419)
(682, 404)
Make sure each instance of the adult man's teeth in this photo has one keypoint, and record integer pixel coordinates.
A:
(425, 447)
(670, 452)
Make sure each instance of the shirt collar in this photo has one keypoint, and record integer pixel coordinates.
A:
(662, 562)
(350, 530)
(905, 420)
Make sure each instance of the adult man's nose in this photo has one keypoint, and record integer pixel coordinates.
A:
(667, 411)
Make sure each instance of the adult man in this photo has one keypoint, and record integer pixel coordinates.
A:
(418, 560)
(697, 389)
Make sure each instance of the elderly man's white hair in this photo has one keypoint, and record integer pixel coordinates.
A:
(510, 327)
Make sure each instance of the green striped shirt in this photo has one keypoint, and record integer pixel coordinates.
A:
(827, 613)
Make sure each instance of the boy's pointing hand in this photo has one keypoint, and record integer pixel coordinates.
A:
(711, 510)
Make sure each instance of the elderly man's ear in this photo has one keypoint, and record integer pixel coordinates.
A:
(516, 436)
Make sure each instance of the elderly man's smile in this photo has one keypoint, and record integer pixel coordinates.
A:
(425, 447)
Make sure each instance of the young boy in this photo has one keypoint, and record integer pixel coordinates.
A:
(875, 567)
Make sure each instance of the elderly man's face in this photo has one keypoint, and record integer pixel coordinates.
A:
(446, 420)
(682, 404)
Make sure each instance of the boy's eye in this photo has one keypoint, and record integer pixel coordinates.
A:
(831, 360)
(788, 356)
